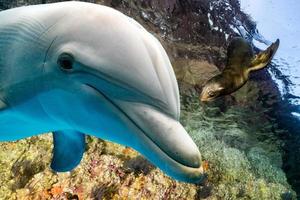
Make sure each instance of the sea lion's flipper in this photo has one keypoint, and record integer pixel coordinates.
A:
(264, 57)
(68, 150)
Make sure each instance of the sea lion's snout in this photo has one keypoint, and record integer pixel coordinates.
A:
(204, 97)
(210, 91)
(199, 90)
(202, 91)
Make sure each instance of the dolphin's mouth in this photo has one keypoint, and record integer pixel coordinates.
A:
(164, 133)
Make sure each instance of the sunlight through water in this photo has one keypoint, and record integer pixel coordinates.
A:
(280, 19)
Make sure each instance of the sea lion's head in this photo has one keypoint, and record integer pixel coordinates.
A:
(212, 89)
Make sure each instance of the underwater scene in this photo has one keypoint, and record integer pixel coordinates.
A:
(149, 99)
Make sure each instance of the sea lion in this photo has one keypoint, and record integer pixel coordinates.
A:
(240, 62)
(75, 68)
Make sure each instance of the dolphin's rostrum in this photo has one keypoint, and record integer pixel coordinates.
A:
(77, 68)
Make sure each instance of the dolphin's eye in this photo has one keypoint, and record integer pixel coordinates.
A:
(65, 61)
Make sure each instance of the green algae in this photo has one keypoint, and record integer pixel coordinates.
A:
(241, 147)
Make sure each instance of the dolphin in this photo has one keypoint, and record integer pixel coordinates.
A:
(75, 68)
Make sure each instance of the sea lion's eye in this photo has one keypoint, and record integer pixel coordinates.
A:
(211, 93)
(65, 61)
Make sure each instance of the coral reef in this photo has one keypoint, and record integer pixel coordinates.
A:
(244, 154)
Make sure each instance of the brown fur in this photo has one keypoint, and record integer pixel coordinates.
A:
(240, 62)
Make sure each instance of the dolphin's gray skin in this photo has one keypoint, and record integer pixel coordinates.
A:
(74, 68)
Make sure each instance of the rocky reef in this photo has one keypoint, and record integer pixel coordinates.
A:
(240, 142)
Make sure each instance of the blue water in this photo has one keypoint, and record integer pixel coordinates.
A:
(280, 19)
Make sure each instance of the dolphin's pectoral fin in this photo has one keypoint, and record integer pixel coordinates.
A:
(264, 57)
(68, 150)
